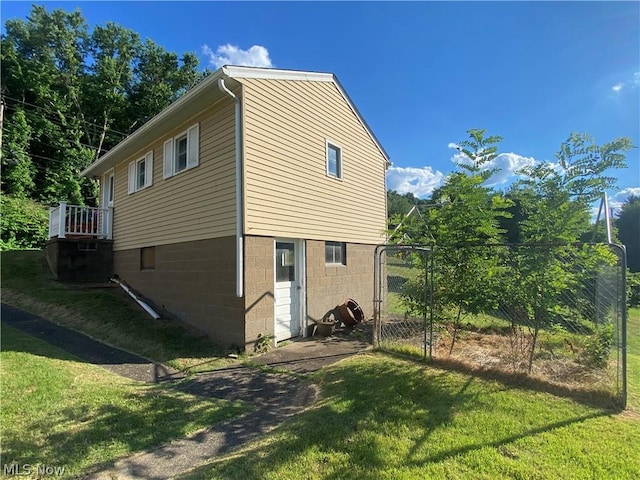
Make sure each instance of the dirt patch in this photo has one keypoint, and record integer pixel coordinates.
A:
(503, 357)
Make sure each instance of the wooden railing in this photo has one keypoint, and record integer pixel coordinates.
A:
(75, 221)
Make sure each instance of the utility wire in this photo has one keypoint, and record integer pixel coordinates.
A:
(66, 116)
(53, 119)
(60, 124)
(38, 140)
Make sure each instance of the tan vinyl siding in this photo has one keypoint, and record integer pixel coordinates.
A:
(287, 190)
(195, 204)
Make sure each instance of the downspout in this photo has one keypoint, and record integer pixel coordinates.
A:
(239, 203)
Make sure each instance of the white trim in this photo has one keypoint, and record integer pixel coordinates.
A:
(210, 82)
(192, 160)
(237, 71)
(148, 169)
(303, 286)
(107, 198)
(160, 118)
(167, 159)
(239, 139)
(133, 180)
(301, 275)
(182, 135)
(339, 161)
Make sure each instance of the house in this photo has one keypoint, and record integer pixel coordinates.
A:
(251, 206)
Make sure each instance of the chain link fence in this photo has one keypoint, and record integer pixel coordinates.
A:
(553, 313)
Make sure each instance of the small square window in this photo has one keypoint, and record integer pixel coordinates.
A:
(87, 247)
(148, 258)
(334, 160)
(335, 253)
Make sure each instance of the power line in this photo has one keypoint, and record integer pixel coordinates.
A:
(38, 140)
(55, 118)
(51, 118)
(101, 127)
(54, 121)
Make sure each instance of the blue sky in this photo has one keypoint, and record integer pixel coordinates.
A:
(422, 74)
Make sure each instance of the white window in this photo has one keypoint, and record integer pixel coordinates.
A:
(335, 253)
(334, 160)
(181, 152)
(141, 173)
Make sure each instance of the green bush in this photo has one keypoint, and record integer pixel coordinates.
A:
(24, 224)
(597, 347)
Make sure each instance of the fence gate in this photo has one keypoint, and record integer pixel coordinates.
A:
(403, 313)
(555, 313)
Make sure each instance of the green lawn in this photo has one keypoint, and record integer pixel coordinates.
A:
(383, 417)
(633, 358)
(105, 313)
(60, 412)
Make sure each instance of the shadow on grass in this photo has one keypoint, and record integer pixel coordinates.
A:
(85, 437)
(70, 415)
(383, 415)
(593, 398)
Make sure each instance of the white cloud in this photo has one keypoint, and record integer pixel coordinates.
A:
(633, 82)
(627, 192)
(616, 201)
(507, 164)
(419, 181)
(255, 56)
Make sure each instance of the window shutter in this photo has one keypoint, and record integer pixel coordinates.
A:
(167, 161)
(132, 177)
(193, 148)
(148, 169)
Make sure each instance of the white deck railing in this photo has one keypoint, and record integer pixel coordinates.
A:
(76, 221)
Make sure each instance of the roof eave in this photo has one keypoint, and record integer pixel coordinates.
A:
(97, 167)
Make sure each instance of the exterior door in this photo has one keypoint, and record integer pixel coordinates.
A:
(288, 288)
(108, 189)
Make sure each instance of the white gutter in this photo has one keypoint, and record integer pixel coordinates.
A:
(239, 205)
(146, 307)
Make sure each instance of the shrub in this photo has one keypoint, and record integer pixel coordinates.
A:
(597, 347)
(23, 224)
(633, 289)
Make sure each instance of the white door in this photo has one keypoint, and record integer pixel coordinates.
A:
(108, 189)
(288, 287)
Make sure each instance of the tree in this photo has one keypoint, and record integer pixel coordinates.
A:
(555, 202)
(399, 205)
(550, 207)
(465, 213)
(72, 94)
(628, 224)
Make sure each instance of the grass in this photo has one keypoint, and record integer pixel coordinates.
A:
(104, 313)
(398, 273)
(633, 359)
(383, 417)
(57, 411)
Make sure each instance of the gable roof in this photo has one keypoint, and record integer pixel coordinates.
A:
(157, 124)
